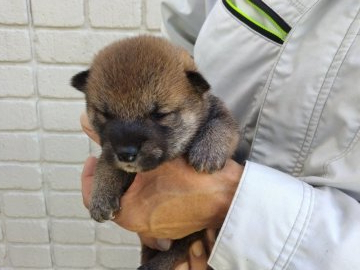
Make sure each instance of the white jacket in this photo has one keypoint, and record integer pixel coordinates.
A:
(297, 97)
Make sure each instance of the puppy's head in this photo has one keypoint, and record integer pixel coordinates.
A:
(145, 99)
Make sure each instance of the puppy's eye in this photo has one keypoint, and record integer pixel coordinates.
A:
(106, 114)
(157, 116)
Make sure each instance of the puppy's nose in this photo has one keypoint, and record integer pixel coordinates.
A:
(127, 153)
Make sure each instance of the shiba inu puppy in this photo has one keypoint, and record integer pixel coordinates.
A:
(149, 104)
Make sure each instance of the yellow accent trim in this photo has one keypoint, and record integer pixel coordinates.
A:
(280, 33)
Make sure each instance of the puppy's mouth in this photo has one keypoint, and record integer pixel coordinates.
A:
(140, 164)
(131, 167)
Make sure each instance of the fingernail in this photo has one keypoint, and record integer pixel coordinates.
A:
(183, 266)
(197, 249)
(163, 244)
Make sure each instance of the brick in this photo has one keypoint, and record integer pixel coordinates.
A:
(30, 256)
(54, 82)
(15, 45)
(73, 232)
(112, 233)
(64, 13)
(153, 14)
(63, 177)
(18, 204)
(27, 231)
(116, 257)
(20, 115)
(13, 12)
(65, 148)
(36, 268)
(20, 177)
(115, 14)
(66, 204)
(16, 81)
(74, 256)
(93, 268)
(20, 147)
(61, 116)
(2, 255)
(76, 47)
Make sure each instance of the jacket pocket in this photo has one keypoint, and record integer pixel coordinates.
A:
(259, 17)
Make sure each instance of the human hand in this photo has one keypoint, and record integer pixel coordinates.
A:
(173, 200)
(197, 258)
(148, 205)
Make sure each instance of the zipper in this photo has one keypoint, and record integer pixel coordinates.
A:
(276, 29)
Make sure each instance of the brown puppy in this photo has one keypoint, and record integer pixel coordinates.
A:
(149, 104)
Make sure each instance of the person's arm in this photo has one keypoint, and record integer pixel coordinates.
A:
(279, 222)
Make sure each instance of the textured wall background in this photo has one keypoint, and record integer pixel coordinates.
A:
(43, 223)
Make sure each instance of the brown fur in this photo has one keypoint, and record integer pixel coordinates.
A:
(149, 104)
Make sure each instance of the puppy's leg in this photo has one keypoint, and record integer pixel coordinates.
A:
(216, 141)
(109, 185)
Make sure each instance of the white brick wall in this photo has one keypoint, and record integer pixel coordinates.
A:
(43, 223)
(116, 14)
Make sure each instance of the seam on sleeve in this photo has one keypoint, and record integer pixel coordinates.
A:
(226, 221)
(305, 224)
(277, 262)
(296, 232)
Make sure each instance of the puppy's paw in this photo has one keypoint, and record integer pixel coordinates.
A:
(205, 160)
(104, 207)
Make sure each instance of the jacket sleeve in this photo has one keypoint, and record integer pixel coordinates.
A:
(277, 221)
(182, 21)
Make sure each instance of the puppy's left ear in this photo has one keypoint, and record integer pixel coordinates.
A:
(79, 80)
(197, 81)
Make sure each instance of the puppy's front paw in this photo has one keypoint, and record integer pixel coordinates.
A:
(104, 207)
(206, 160)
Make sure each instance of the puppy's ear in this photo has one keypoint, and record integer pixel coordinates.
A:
(79, 80)
(197, 81)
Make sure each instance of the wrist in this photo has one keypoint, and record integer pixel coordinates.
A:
(229, 177)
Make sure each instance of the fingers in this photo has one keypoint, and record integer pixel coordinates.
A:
(87, 179)
(197, 256)
(88, 129)
(183, 266)
(211, 238)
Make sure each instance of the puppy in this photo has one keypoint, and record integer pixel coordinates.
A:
(149, 104)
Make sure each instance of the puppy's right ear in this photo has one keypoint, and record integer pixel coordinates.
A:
(79, 80)
(197, 81)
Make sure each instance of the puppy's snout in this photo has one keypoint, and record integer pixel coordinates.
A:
(127, 153)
